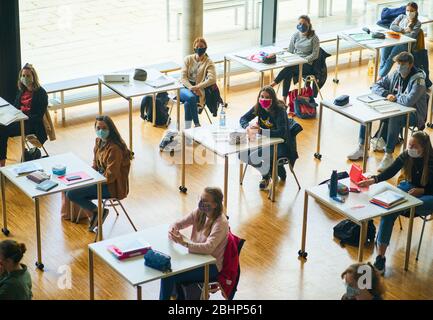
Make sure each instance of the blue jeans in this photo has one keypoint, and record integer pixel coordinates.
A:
(84, 196)
(391, 130)
(195, 275)
(190, 101)
(387, 222)
(387, 54)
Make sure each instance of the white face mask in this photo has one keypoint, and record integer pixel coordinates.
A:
(413, 153)
(411, 14)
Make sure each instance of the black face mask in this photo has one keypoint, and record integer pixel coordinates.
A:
(200, 51)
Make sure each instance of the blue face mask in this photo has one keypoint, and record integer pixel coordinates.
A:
(200, 51)
(103, 133)
(204, 207)
(302, 28)
(351, 292)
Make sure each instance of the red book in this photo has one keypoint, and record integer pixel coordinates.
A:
(76, 177)
(129, 249)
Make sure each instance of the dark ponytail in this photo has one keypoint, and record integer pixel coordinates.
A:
(13, 250)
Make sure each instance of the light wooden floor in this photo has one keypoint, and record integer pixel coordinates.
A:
(269, 262)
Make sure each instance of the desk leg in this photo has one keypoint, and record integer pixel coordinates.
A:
(362, 238)
(139, 295)
(376, 65)
(225, 80)
(262, 79)
(23, 140)
(226, 175)
(3, 195)
(99, 191)
(300, 79)
(409, 238)
(302, 253)
(91, 276)
(182, 187)
(336, 60)
(317, 155)
(206, 282)
(100, 97)
(409, 47)
(406, 132)
(130, 126)
(178, 109)
(366, 144)
(39, 263)
(241, 171)
(274, 173)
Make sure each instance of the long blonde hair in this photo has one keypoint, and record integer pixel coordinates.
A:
(36, 84)
(423, 140)
(217, 197)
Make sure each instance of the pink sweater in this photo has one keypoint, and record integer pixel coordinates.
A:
(213, 244)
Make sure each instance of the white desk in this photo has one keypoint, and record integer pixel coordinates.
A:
(365, 115)
(374, 44)
(135, 272)
(134, 88)
(21, 118)
(206, 136)
(240, 57)
(28, 187)
(358, 209)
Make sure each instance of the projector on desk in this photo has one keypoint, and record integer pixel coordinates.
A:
(116, 77)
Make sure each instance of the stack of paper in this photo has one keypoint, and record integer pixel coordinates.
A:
(369, 98)
(388, 199)
(26, 167)
(161, 81)
(8, 114)
(384, 106)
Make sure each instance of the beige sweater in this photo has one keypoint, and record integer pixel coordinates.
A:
(206, 74)
(214, 243)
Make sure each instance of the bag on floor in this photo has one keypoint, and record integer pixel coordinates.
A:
(306, 93)
(348, 233)
(170, 142)
(162, 116)
(305, 108)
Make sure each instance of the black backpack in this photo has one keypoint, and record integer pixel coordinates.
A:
(348, 232)
(162, 116)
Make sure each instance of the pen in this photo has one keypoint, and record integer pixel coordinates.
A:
(370, 98)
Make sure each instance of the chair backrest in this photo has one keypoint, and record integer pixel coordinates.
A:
(49, 126)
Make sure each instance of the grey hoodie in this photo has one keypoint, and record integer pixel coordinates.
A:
(414, 95)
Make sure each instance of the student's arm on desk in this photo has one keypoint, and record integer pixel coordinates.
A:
(247, 117)
(393, 169)
(217, 235)
(395, 24)
(411, 98)
(382, 86)
(185, 222)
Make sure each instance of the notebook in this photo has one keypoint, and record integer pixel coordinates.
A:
(82, 177)
(384, 106)
(388, 199)
(129, 248)
(25, 168)
(8, 114)
(372, 97)
(46, 185)
(161, 81)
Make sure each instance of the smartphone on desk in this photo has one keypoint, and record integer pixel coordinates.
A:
(73, 178)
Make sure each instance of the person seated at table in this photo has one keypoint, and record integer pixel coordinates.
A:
(198, 73)
(416, 164)
(112, 160)
(15, 280)
(407, 24)
(32, 100)
(304, 43)
(405, 86)
(363, 282)
(271, 121)
(209, 234)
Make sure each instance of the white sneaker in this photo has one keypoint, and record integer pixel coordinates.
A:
(378, 144)
(386, 162)
(357, 154)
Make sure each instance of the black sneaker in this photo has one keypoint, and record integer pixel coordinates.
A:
(263, 184)
(379, 264)
(94, 221)
(282, 173)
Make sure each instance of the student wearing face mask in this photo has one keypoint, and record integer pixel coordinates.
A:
(363, 282)
(405, 86)
(272, 121)
(112, 160)
(416, 164)
(209, 234)
(32, 100)
(407, 24)
(304, 43)
(198, 73)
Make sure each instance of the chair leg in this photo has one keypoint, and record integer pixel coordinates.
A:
(127, 216)
(420, 239)
(207, 114)
(243, 175)
(113, 205)
(399, 221)
(294, 175)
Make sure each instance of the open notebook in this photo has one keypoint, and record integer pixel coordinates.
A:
(161, 81)
(8, 114)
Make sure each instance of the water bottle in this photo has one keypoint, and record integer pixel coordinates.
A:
(222, 117)
(333, 184)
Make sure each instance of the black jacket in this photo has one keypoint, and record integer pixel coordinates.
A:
(37, 112)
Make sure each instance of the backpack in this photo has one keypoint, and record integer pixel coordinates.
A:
(162, 116)
(348, 232)
(170, 142)
(305, 108)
